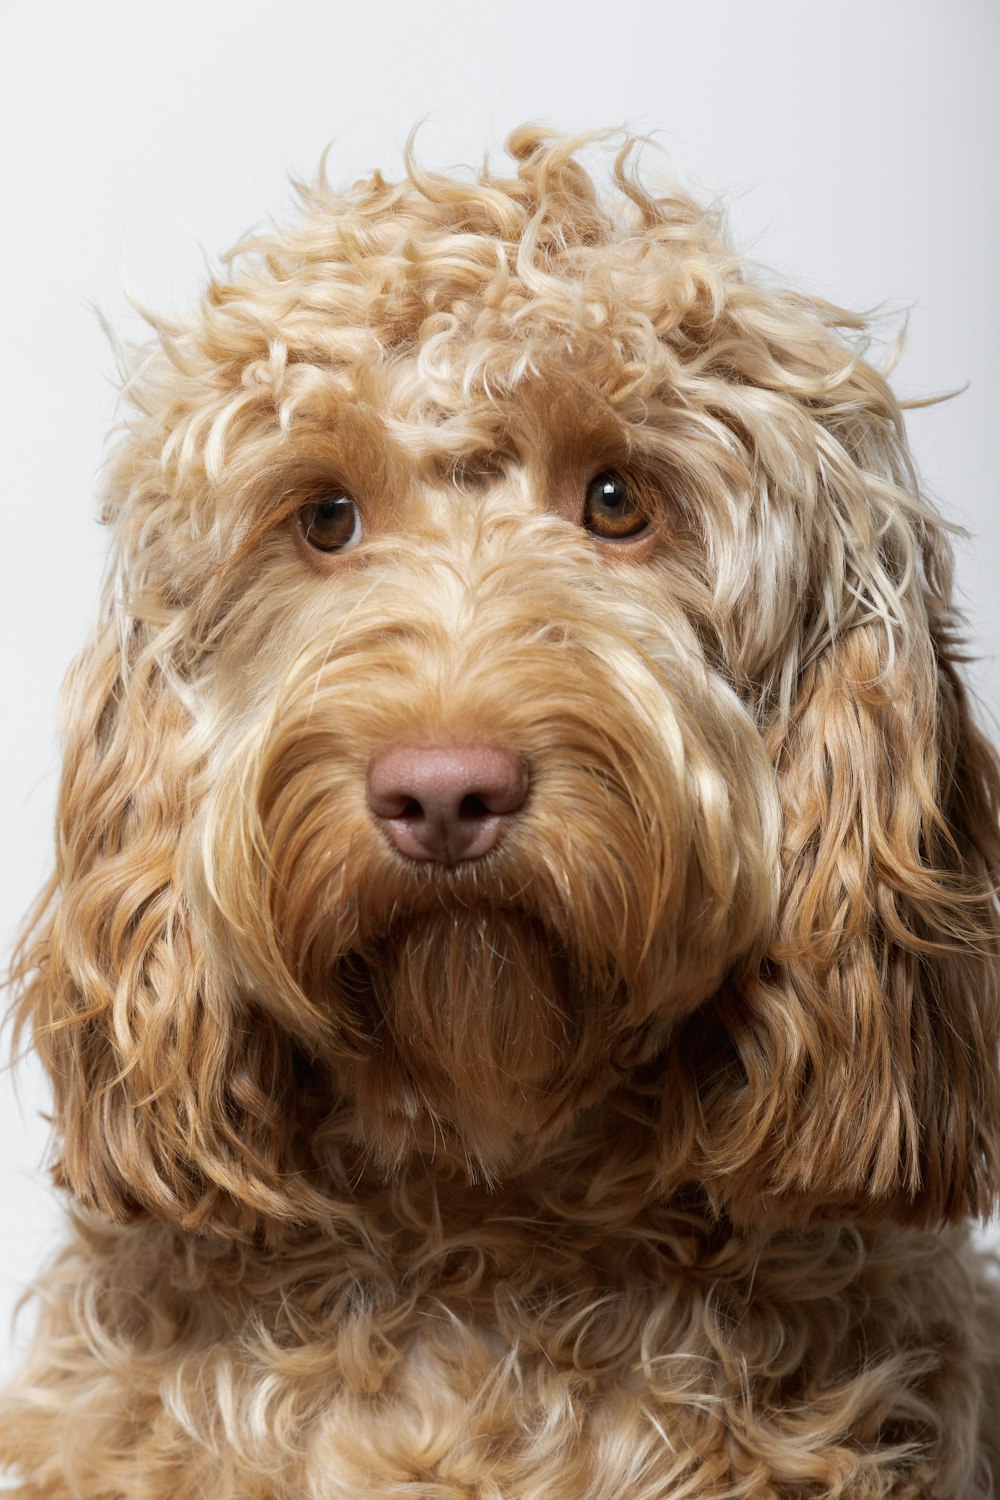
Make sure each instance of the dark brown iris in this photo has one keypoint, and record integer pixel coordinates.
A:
(610, 510)
(331, 524)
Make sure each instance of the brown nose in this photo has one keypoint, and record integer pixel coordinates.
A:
(445, 803)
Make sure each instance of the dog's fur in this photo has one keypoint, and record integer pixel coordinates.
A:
(631, 1158)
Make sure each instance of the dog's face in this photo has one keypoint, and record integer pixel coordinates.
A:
(528, 671)
(484, 816)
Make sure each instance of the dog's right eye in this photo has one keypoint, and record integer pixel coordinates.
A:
(331, 524)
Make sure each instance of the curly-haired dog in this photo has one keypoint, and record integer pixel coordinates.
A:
(520, 978)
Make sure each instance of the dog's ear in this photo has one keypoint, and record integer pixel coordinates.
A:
(172, 1095)
(854, 1071)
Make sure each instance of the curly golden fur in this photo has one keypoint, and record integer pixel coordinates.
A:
(632, 1156)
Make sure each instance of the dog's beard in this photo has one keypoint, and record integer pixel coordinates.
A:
(477, 1025)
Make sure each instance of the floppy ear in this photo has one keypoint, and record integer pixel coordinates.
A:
(854, 1072)
(172, 1094)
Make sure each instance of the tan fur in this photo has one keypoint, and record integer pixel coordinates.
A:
(633, 1158)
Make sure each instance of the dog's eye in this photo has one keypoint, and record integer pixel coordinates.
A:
(331, 524)
(611, 512)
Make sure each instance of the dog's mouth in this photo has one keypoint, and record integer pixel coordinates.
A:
(404, 906)
(458, 894)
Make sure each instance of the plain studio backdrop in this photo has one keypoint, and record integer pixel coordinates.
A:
(855, 145)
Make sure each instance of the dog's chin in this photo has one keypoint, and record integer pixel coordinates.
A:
(473, 1028)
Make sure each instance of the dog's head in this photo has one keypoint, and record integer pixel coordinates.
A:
(527, 675)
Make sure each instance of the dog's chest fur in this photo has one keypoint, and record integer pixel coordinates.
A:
(455, 1343)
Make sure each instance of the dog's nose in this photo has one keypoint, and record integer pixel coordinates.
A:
(444, 802)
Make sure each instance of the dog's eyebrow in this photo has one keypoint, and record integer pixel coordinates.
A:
(564, 433)
(358, 455)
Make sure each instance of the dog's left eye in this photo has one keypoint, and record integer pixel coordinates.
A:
(610, 510)
(331, 524)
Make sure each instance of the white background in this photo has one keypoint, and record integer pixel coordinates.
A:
(856, 144)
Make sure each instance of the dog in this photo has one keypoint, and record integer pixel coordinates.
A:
(520, 978)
